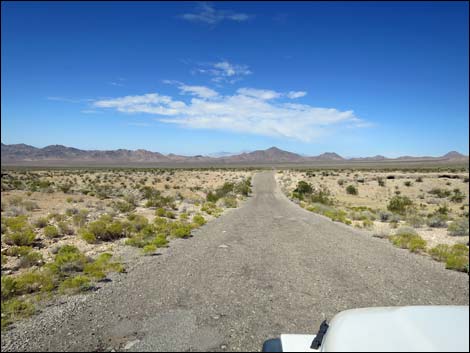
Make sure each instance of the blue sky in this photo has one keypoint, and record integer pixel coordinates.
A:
(357, 78)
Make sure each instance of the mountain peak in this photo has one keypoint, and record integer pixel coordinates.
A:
(453, 155)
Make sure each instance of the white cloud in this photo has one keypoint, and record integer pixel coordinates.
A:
(248, 110)
(206, 13)
(225, 71)
(198, 91)
(296, 94)
(263, 94)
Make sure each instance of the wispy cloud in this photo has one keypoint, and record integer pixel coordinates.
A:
(296, 94)
(248, 110)
(206, 13)
(198, 91)
(224, 71)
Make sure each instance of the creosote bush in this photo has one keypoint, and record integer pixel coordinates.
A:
(407, 238)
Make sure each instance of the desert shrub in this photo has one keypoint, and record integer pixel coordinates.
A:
(381, 182)
(123, 206)
(458, 258)
(160, 241)
(230, 202)
(330, 212)
(303, 188)
(87, 236)
(8, 287)
(458, 196)
(33, 281)
(440, 193)
(79, 219)
(32, 258)
(67, 260)
(407, 238)
(211, 197)
(341, 182)
(459, 227)
(20, 237)
(211, 209)
(101, 266)
(160, 212)
(407, 183)
(415, 220)
(367, 223)
(15, 309)
(30, 205)
(149, 249)
(437, 221)
(51, 232)
(184, 216)
(243, 187)
(399, 204)
(199, 220)
(137, 222)
(385, 216)
(180, 230)
(41, 222)
(105, 228)
(419, 180)
(351, 190)
(65, 228)
(76, 284)
(440, 252)
(455, 257)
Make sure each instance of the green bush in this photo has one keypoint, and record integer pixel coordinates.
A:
(199, 220)
(65, 228)
(73, 285)
(32, 258)
(149, 249)
(68, 259)
(458, 196)
(15, 309)
(160, 212)
(51, 232)
(230, 202)
(400, 205)
(440, 193)
(34, 281)
(160, 241)
(101, 266)
(41, 222)
(440, 252)
(408, 239)
(351, 190)
(20, 237)
(88, 236)
(106, 229)
(180, 230)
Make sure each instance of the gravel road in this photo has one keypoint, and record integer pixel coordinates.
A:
(265, 268)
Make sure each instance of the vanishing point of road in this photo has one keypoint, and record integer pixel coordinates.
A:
(267, 268)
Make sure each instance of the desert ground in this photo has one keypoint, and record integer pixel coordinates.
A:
(61, 229)
(437, 213)
(265, 268)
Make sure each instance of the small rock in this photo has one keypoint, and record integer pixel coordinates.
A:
(130, 344)
(223, 246)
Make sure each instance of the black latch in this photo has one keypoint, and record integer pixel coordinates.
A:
(316, 343)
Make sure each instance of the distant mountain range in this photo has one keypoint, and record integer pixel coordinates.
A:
(21, 154)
